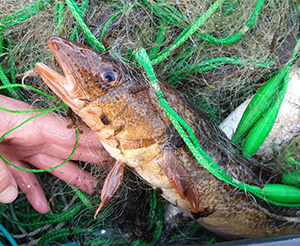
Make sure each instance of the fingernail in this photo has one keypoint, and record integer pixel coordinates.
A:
(9, 194)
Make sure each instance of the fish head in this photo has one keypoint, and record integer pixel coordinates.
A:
(88, 73)
(108, 95)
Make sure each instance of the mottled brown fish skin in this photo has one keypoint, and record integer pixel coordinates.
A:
(120, 107)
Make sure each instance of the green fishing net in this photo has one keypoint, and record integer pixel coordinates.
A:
(217, 53)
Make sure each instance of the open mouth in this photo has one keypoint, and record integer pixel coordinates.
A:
(64, 86)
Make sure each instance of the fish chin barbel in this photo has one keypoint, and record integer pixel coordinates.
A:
(116, 102)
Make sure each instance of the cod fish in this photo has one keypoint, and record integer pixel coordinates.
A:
(117, 103)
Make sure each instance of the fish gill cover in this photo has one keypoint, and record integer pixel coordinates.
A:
(234, 49)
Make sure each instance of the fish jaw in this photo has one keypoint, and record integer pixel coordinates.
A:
(80, 65)
(60, 85)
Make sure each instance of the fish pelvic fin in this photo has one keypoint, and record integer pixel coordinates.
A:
(111, 184)
(180, 177)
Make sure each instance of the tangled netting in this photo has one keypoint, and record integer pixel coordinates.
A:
(264, 44)
(236, 49)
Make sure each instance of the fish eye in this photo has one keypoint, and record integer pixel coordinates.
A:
(108, 76)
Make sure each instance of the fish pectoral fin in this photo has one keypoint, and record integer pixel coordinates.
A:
(111, 184)
(180, 178)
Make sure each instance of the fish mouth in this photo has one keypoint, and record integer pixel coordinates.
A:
(64, 86)
(63, 49)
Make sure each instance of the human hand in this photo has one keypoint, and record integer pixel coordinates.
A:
(43, 142)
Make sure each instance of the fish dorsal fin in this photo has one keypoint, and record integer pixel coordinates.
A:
(111, 184)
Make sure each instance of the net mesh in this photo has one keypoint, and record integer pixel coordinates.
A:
(258, 45)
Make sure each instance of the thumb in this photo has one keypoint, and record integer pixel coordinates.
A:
(8, 185)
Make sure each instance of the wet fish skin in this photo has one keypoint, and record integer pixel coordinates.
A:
(116, 102)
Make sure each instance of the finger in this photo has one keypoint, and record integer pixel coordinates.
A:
(53, 138)
(46, 128)
(89, 147)
(10, 120)
(8, 185)
(83, 153)
(29, 184)
(53, 130)
(47, 134)
(20, 152)
(69, 172)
